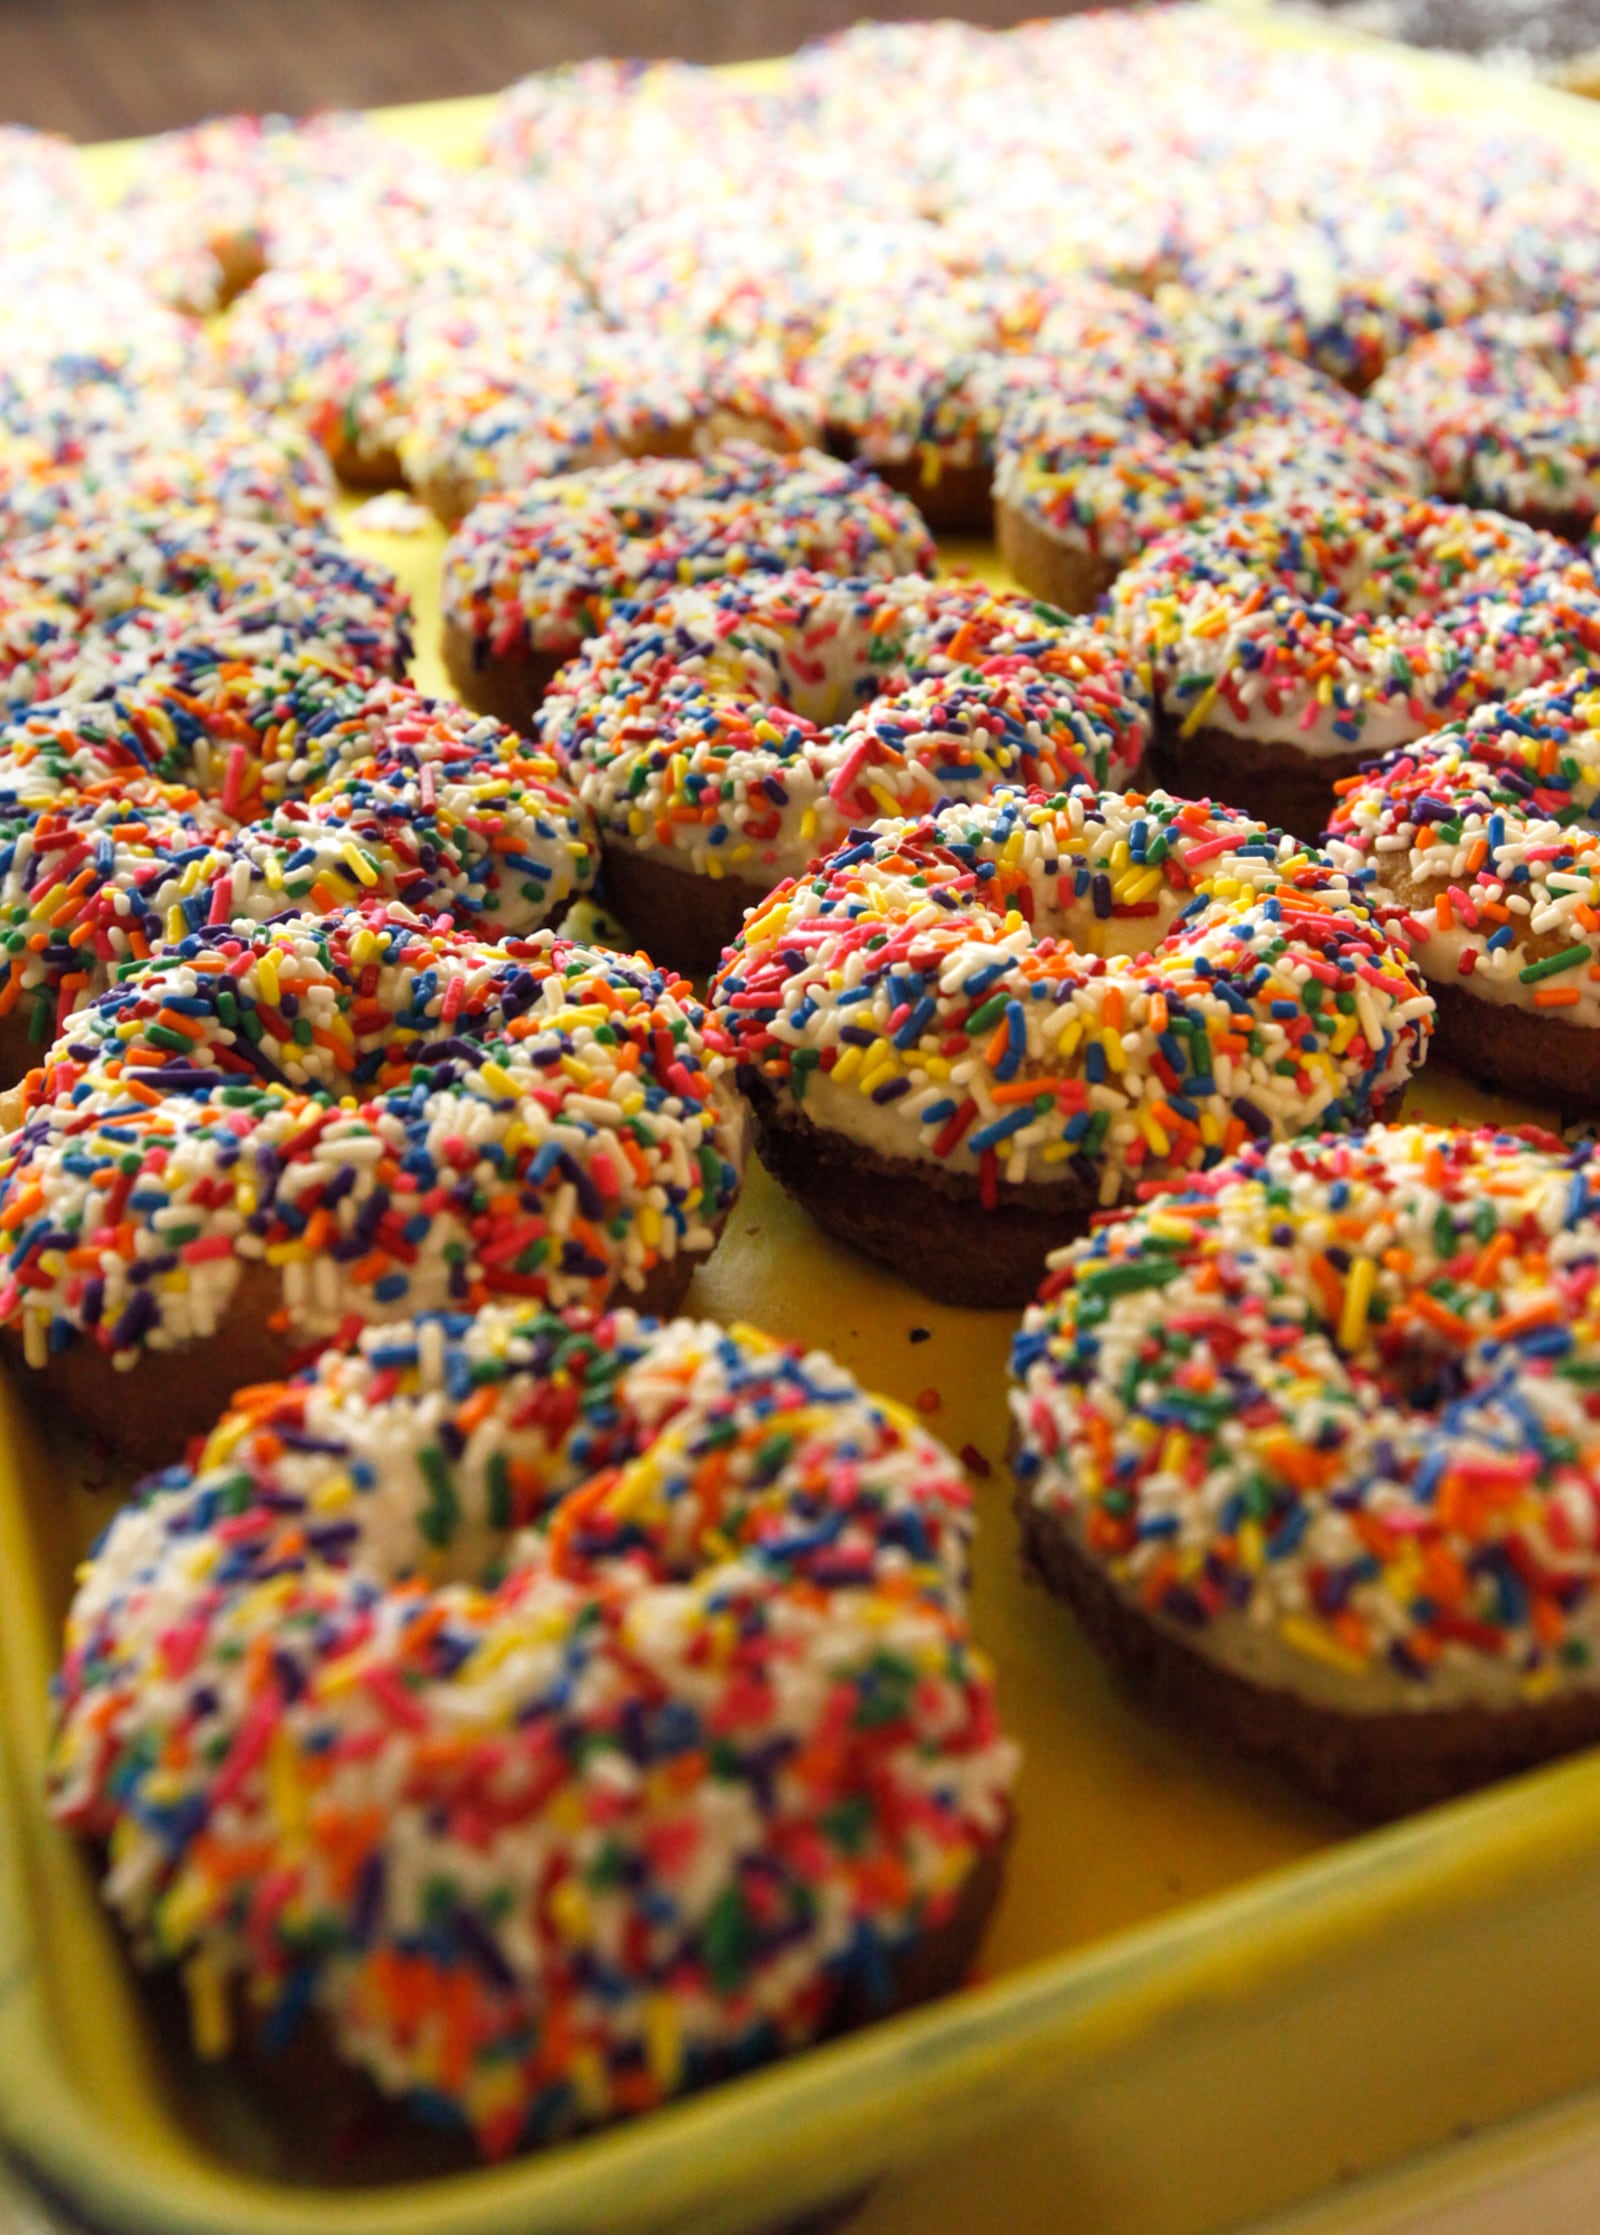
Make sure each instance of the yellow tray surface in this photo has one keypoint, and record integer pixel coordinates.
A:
(1202, 1997)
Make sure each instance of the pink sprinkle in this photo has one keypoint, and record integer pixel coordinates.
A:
(233, 781)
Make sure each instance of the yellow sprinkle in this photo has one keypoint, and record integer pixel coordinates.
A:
(571, 1911)
(359, 866)
(586, 2070)
(1307, 1638)
(1358, 1289)
(285, 1793)
(498, 1079)
(1195, 718)
(210, 2028)
(184, 1908)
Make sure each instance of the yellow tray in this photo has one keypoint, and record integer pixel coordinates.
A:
(1204, 1999)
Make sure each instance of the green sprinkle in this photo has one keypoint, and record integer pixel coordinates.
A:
(1568, 959)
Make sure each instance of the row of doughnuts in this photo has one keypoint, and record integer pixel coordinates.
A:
(547, 1710)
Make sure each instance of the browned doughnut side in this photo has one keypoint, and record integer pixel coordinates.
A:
(359, 467)
(676, 916)
(1283, 787)
(149, 1413)
(1374, 1765)
(954, 501)
(511, 686)
(1571, 527)
(19, 1050)
(1062, 573)
(927, 1224)
(1523, 1051)
(451, 496)
(241, 260)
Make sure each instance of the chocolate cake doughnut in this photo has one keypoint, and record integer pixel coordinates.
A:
(622, 1675)
(1308, 1444)
(725, 733)
(221, 787)
(1156, 431)
(1290, 643)
(962, 1037)
(529, 576)
(1483, 838)
(265, 1137)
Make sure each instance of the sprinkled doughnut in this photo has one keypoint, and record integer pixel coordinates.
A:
(336, 1120)
(711, 732)
(221, 788)
(326, 339)
(1483, 836)
(1505, 412)
(208, 206)
(106, 596)
(963, 1036)
(1088, 472)
(98, 443)
(632, 1688)
(1288, 645)
(528, 577)
(1309, 1446)
(917, 389)
(498, 395)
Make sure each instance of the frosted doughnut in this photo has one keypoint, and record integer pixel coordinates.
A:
(1484, 836)
(1156, 435)
(263, 1138)
(726, 732)
(99, 445)
(527, 577)
(1505, 413)
(1290, 643)
(653, 1641)
(220, 789)
(1309, 1445)
(963, 1036)
(498, 395)
(102, 598)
